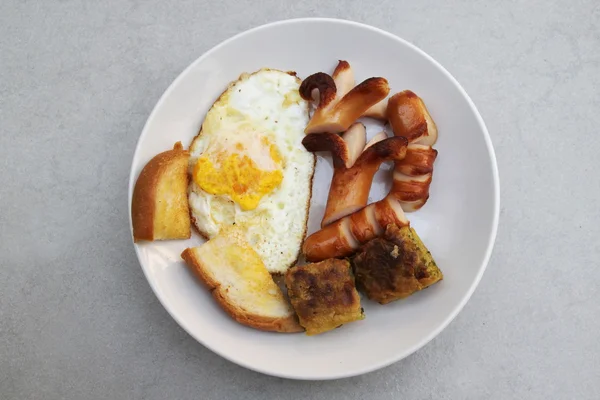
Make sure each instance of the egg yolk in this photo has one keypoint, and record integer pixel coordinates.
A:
(237, 175)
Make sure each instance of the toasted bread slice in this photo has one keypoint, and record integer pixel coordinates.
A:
(240, 282)
(159, 207)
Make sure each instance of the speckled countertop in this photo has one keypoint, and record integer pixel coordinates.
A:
(79, 321)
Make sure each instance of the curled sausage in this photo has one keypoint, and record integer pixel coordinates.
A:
(350, 186)
(412, 193)
(363, 224)
(340, 102)
(418, 160)
(336, 240)
(343, 76)
(349, 190)
(376, 139)
(409, 118)
(378, 111)
(345, 149)
(343, 237)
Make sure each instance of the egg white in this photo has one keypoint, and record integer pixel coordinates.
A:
(266, 102)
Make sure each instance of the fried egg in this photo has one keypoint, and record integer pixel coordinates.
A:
(249, 167)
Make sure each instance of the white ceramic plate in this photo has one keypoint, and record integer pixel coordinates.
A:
(458, 223)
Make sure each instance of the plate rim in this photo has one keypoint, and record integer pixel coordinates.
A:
(488, 252)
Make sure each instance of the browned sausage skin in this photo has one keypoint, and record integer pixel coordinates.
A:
(340, 103)
(349, 190)
(409, 117)
(343, 237)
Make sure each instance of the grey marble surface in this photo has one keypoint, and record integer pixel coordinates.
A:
(79, 321)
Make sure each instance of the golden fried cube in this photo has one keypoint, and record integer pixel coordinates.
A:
(395, 266)
(324, 295)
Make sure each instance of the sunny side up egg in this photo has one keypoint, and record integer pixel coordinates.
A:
(249, 167)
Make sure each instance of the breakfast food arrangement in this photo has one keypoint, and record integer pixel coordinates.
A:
(245, 185)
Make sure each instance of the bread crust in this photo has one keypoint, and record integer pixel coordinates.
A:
(314, 163)
(288, 324)
(143, 202)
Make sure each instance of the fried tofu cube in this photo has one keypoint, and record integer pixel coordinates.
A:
(324, 295)
(395, 265)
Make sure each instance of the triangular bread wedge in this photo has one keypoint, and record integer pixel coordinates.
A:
(240, 282)
(159, 206)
